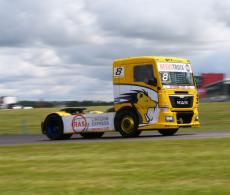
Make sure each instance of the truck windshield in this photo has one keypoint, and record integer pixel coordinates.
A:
(177, 78)
(178, 74)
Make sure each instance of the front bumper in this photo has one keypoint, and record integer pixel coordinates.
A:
(180, 119)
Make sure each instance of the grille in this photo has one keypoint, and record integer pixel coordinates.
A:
(181, 92)
(184, 117)
(181, 101)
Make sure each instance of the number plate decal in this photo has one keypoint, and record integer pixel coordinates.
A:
(119, 72)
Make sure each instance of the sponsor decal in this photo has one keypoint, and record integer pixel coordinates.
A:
(79, 123)
(174, 67)
(187, 68)
(88, 122)
(100, 121)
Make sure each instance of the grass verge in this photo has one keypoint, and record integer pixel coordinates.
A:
(213, 116)
(28, 121)
(134, 167)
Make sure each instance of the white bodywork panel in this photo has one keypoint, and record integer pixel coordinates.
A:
(88, 122)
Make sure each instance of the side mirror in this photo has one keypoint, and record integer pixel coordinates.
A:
(152, 82)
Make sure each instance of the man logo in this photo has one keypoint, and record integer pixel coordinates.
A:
(182, 102)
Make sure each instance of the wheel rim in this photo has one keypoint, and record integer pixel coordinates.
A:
(127, 124)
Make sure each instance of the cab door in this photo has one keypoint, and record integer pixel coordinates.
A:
(145, 89)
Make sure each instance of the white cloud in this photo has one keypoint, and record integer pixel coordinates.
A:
(63, 49)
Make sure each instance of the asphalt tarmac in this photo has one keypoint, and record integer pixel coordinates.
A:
(108, 137)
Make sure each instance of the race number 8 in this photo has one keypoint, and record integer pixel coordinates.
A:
(119, 71)
(165, 77)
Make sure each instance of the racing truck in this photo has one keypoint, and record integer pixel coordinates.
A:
(150, 93)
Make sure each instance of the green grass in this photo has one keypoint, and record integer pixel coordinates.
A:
(213, 116)
(28, 121)
(135, 167)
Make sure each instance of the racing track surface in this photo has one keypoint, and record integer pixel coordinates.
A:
(150, 135)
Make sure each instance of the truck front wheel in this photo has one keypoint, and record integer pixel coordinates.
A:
(167, 132)
(126, 122)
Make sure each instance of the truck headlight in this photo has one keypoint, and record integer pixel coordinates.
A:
(197, 118)
(169, 118)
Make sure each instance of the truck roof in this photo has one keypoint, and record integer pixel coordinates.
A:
(147, 58)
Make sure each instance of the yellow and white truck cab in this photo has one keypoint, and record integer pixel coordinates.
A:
(150, 93)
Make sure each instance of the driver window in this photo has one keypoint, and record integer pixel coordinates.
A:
(143, 73)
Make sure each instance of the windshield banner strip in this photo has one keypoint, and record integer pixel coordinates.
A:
(174, 67)
(178, 87)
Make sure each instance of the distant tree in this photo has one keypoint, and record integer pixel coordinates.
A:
(48, 104)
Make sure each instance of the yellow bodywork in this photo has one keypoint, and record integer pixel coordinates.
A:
(62, 113)
(125, 67)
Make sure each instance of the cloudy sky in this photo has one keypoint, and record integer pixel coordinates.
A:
(63, 49)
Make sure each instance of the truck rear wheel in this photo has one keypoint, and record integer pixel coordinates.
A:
(167, 132)
(126, 122)
(91, 135)
(53, 127)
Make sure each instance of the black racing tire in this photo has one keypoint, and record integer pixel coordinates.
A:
(92, 135)
(167, 132)
(67, 136)
(126, 122)
(53, 127)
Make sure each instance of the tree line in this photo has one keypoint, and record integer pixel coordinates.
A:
(50, 104)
